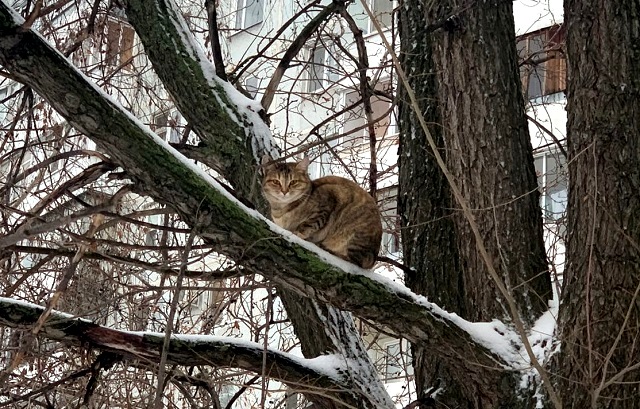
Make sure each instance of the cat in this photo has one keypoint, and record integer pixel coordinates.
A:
(331, 212)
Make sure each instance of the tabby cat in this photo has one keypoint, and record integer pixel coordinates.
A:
(332, 212)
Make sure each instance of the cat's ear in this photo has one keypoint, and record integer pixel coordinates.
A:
(303, 164)
(265, 162)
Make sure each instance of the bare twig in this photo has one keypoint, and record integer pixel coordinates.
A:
(294, 49)
(214, 37)
(240, 391)
(48, 387)
(548, 132)
(170, 321)
(53, 301)
(244, 65)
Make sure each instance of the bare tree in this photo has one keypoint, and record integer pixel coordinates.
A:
(103, 220)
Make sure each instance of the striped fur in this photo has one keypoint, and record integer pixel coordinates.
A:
(332, 212)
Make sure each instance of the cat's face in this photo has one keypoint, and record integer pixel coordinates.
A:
(286, 182)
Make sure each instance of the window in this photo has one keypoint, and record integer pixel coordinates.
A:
(382, 10)
(7, 89)
(252, 85)
(226, 393)
(291, 400)
(167, 126)
(4, 107)
(388, 203)
(317, 69)
(30, 260)
(391, 358)
(152, 236)
(120, 37)
(543, 66)
(393, 361)
(551, 169)
(322, 68)
(200, 301)
(52, 134)
(249, 13)
(355, 127)
(159, 124)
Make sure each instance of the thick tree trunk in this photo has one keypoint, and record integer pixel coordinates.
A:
(489, 153)
(424, 200)
(464, 71)
(600, 362)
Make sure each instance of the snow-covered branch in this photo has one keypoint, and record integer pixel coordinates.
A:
(325, 372)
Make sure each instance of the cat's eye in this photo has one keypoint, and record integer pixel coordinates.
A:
(293, 183)
(274, 181)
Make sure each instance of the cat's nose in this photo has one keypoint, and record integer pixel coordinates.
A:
(285, 191)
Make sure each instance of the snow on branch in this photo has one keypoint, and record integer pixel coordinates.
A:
(218, 110)
(326, 371)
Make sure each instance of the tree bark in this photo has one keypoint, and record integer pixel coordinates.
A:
(424, 200)
(600, 364)
(461, 61)
(490, 155)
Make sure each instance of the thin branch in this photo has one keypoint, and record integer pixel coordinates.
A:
(394, 263)
(47, 388)
(366, 92)
(160, 268)
(296, 45)
(546, 130)
(214, 37)
(240, 391)
(48, 161)
(86, 31)
(42, 224)
(170, 321)
(244, 65)
(51, 303)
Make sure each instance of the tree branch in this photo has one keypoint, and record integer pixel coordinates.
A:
(222, 352)
(214, 37)
(295, 48)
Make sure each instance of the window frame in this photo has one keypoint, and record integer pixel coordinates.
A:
(388, 205)
(329, 66)
(370, 28)
(242, 7)
(402, 361)
(387, 121)
(120, 43)
(549, 62)
(169, 132)
(561, 177)
(252, 85)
